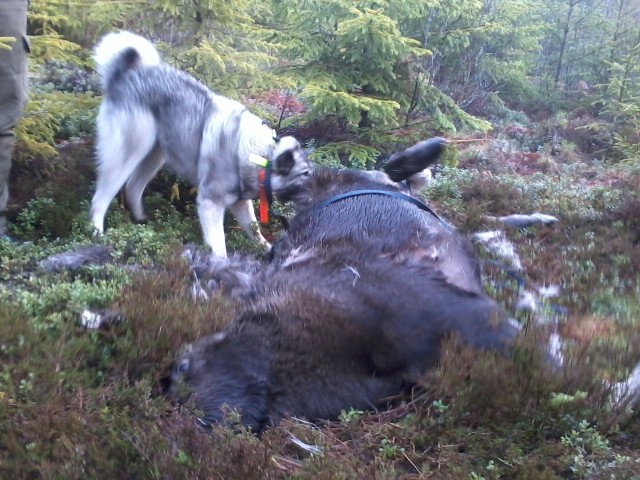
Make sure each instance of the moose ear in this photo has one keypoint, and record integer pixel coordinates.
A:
(283, 164)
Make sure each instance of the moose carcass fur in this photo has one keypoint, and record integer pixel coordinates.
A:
(352, 306)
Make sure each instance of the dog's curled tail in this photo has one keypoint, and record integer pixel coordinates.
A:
(117, 52)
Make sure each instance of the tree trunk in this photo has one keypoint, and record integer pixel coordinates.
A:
(365, 121)
(614, 39)
(563, 44)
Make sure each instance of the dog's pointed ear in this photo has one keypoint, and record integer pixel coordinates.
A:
(283, 164)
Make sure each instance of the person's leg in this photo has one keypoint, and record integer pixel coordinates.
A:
(13, 90)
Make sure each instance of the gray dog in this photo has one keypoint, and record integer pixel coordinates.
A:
(153, 113)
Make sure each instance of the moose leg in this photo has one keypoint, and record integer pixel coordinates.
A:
(415, 159)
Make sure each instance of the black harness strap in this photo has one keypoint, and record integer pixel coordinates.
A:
(398, 195)
(267, 184)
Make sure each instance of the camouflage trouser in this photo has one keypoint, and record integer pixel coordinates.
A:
(13, 88)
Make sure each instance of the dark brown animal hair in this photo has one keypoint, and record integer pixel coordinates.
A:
(352, 306)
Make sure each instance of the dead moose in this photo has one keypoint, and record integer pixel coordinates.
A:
(351, 307)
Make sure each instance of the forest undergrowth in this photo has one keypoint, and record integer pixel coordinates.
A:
(541, 102)
(78, 402)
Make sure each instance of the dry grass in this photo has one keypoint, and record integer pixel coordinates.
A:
(84, 404)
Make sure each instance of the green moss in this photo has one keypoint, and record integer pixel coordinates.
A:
(78, 403)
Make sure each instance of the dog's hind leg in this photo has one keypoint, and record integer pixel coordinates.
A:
(138, 181)
(211, 215)
(124, 140)
(243, 211)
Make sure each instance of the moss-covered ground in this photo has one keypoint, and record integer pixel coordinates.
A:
(81, 403)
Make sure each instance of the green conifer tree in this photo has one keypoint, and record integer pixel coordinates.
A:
(364, 65)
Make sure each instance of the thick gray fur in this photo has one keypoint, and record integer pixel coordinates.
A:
(154, 114)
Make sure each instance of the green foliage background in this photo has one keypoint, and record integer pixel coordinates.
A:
(368, 75)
